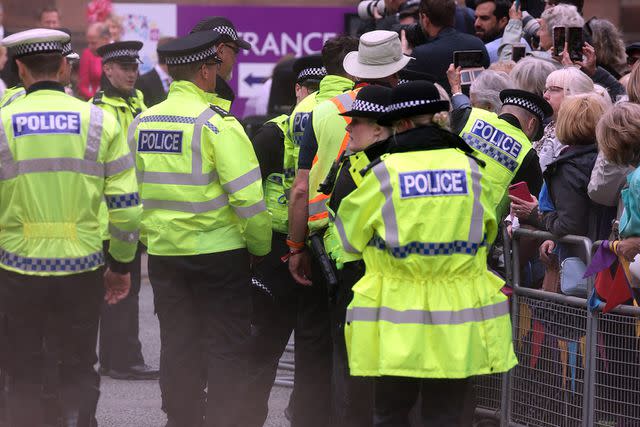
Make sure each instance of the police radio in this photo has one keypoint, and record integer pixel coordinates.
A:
(329, 182)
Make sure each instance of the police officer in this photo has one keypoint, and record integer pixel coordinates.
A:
(228, 47)
(427, 315)
(503, 141)
(353, 396)
(275, 296)
(71, 157)
(204, 216)
(120, 349)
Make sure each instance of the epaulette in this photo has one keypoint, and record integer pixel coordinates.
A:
(223, 113)
(97, 98)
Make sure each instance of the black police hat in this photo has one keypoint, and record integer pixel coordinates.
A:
(371, 101)
(406, 76)
(195, 47)
(309, 68)
(413, 99)
(223, 26)
(633, 47)
(124, 52)
(535, 104)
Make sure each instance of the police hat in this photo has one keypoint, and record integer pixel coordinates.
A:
(67, 50)
(195, 47)
(36, 41)
(406, 76)
(371, 101)
(223, 26)
(126, 52)
(531, 102)
(633, 47)
(413, 99)
(309, 69)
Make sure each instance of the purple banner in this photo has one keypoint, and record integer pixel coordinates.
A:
(273, 32)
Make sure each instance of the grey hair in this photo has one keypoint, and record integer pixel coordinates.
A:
(485, 90)
(607, 41)
(101, 28)
(562, 15)
(531, 73)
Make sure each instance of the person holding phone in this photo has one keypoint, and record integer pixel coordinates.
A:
(492, 19)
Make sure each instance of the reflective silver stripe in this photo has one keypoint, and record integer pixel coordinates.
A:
(196, 176)
(242, 181)
(424, 317)
(388, 211)
(57, 265)
(6, 157)
(94, 134)
(343, 236)
(249, 211)
(346, 100)
(476, 229)
(176, 178)
(119, 165)
(131, 134)
(318, 207)
(62, 164)
(14, 97)
(190, 207)
(125, 236)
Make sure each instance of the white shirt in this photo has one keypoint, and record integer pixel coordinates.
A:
(164, 77)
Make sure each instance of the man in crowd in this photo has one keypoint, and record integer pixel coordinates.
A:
(49, 17)
(154, 85)
(492, 17)
(437, 18)
(120, 349)
(51, 258)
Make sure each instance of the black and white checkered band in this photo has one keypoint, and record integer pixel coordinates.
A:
(526, 104)
(38, 47)
(369, 107)
(120, 53)
(318, 72)
(403, 81)
(67, 49)
(192, 57)
(227, 31)
(409, 104)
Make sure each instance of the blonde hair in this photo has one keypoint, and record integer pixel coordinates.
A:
(633, 87)
(578, 117)
(604, 93)
(504, 66)
(618, 134)
(571, 80)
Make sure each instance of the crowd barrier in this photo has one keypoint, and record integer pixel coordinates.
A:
(576, 367)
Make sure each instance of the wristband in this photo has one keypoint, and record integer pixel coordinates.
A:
(295, 245)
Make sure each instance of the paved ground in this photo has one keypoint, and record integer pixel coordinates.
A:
(137, 403)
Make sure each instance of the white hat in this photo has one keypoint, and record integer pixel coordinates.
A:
(37, 40)
(379, 55)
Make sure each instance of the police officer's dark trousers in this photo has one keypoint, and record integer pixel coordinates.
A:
(443, 402)
(352, 396)
(72, 303)
(273, 318)
(120, 347)
(203, 305)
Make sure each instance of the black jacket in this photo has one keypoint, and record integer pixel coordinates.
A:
(151, 87)
(567, 179)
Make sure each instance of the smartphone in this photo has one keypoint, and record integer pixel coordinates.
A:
(521, 4)
(521, 191)
(468, 59)
(559, 39)
(575, 40)
(519, 51)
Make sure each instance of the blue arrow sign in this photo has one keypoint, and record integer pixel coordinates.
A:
(254, 80)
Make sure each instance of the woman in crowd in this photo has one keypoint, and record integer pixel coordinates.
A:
(607, 41)
(531, 74)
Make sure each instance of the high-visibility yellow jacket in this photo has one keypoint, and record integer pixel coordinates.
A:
(59, 158)
(427, 307)
(330, 86)
(502, 146)
(124, 110)
(274, 196)
(199, 178)
(12, 94)
(332, 137)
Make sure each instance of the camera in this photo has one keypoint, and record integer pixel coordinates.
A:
(366, 8)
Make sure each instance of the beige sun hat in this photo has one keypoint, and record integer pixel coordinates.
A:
(379, 55)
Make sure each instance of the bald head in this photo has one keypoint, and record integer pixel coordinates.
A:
(97, 35)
